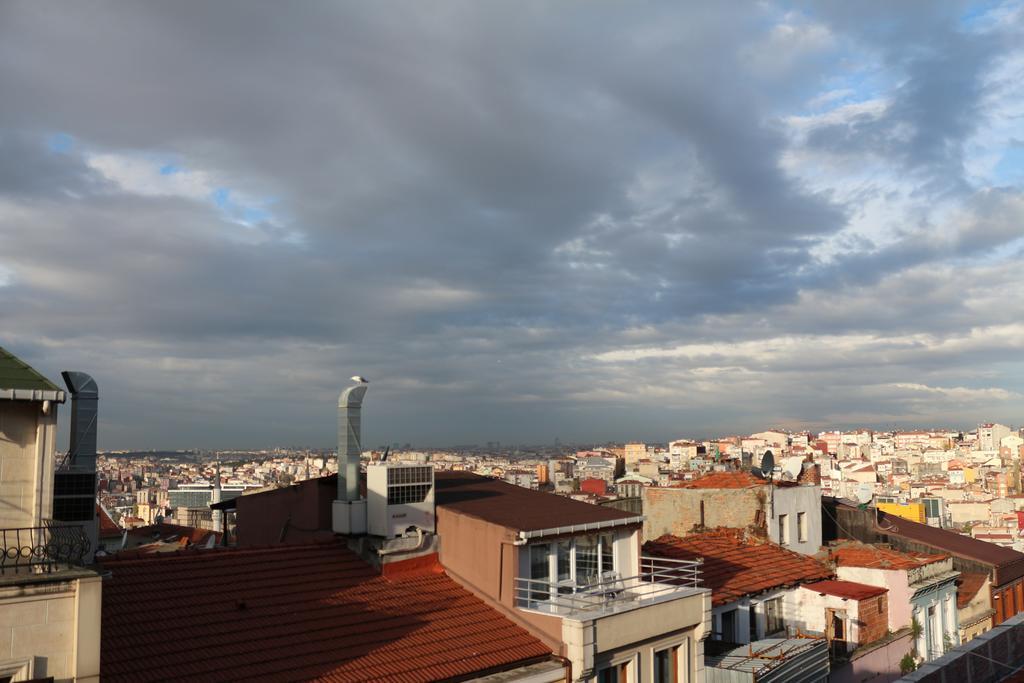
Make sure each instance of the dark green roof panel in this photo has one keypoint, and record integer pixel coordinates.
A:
(16, 374)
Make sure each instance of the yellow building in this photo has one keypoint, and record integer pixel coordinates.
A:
(912, 511)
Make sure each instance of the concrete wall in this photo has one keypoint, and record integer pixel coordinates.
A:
(878, 663)
(292, 515)
(631, 639)
(482, 558)
(677, 511)
(866, 621)
(789, 501)
(899, 590)
(27, 443)
(51, 628)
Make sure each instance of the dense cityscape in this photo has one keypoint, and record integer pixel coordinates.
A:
(511, 342)
(968, 482)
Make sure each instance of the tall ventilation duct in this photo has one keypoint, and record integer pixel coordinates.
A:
(349, 512)
(74, 485)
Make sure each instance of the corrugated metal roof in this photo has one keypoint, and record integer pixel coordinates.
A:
(16, 374)
(308, 612)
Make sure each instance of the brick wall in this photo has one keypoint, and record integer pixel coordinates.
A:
(873, 615)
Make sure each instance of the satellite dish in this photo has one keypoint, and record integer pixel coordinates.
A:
(767, 464)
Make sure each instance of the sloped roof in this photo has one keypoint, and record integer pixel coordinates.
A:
(877, 557)
(108, 527)
(724, 480)
(515, 507)
(968, 586)
(850, 590)
(308, 612)
(1007, 564)
(16, 374)
(736, 566)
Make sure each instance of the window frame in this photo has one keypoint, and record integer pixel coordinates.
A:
(556, 556)
(773, 616)
(801, 527)
(784, 529)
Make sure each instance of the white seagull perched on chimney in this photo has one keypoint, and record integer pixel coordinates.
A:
(360, 379)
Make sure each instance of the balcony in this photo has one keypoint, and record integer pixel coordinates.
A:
(660, 579)
(42, 549)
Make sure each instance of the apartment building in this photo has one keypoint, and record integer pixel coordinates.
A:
(789, 512)
(49, 600)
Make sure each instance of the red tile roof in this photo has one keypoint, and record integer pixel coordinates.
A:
(108, 527)
(877, 557)
(172, 532)
(308, 612)
(513, 506)
(968, 586)
(736, 566)
(724, 480)
(850, 590)
(1007, 564)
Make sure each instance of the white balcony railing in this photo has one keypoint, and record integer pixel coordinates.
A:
(659, 579)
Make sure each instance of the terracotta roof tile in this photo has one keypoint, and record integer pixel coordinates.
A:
(724, 480)
(307, 612)
(968, 586)
(877, 557)
(851, 590)
(736, 566)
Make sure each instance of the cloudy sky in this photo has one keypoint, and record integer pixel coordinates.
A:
(521, 221)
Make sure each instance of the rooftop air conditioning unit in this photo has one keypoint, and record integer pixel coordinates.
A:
(399, 497)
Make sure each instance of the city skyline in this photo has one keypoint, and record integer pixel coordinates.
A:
(519, 222)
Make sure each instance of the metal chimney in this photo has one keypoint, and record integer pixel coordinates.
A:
(84, 400)
(218, 515)
(74, 483)
(350, 408)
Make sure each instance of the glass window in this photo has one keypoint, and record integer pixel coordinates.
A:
(607, 554)
(783, 529)
(801, 527)
(539, 567)
(540, 570)
(586, 560)
(611, 674)
(564, 561)
(665, 665)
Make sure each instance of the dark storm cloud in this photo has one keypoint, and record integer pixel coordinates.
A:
(471, 203)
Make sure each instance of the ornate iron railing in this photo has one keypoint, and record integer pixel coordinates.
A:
(43, 549)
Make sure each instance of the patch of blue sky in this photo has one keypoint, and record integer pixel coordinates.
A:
(981, 15)
(221, 196)
(170, 169)
(61, 143)
(242, 210)
(1010, 168)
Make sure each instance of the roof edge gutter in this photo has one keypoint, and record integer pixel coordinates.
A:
(576, 528)
(34, 395)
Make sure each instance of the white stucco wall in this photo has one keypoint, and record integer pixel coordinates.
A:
(790, 500)
(27, 443)
(893, 579)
